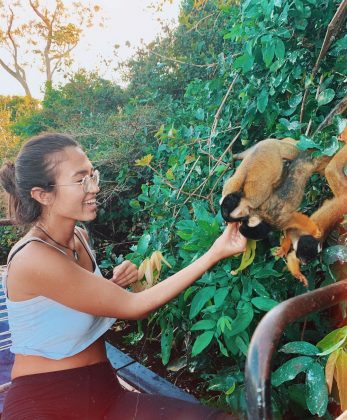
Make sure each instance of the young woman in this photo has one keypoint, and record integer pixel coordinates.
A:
(59, 304)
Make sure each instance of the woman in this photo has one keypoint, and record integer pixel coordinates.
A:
(60, 305)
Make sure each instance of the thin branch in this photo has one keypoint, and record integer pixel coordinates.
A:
(339, 108)
(332, 30)
(221, 106)
(187, 177)
(201, 20)
(316, 97)
(201, 186)
(216, 117)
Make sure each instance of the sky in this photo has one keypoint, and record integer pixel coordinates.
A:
(130, 21)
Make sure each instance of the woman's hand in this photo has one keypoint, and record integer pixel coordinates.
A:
(125, 274)
(231, 242)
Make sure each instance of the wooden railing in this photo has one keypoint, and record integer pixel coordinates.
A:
(266, 337)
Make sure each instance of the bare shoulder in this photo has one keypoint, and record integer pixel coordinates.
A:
(24, 266)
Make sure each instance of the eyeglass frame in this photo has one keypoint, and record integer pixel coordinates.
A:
(95, 178)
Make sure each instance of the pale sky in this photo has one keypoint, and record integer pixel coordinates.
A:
(130, 20)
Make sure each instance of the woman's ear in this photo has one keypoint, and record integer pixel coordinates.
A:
(42, 196)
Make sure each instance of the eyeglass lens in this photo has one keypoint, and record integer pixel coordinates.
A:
(90, 181)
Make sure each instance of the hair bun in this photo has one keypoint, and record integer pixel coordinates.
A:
(8, 177)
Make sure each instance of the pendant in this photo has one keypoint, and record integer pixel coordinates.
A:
(75, 255)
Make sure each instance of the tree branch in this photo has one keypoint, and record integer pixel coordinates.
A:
(332, 30)
(339, 108)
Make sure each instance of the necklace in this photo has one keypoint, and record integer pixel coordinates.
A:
(73, 250)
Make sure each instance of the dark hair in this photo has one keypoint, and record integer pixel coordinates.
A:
(307, 248)
(229, 204)
(258, 232)
(34, 167)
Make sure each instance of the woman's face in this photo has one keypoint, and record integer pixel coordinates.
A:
(70, 200)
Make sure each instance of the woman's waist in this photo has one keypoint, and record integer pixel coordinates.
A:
(28, 364)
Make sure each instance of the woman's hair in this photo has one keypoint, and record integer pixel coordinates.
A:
(34, 167)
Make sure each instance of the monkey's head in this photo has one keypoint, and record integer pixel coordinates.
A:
(230, 208)
(307, 248)
(257, 231)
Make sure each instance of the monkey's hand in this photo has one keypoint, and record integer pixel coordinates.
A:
(302, 279)
(280, 252)
(286, 243)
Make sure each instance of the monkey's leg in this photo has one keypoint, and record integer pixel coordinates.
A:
(303, 223)
(284, 248)
(335, 173)
(293, 264)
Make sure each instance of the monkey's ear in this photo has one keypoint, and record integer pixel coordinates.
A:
(307, 248)
(228, 205)
(257, 232)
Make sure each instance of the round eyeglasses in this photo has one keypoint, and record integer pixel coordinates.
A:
(88, 182)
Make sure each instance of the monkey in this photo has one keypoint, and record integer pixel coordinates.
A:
(306, 247)
(279, 210)
(255, 178)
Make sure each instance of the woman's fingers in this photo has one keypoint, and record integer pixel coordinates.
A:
(125, 274)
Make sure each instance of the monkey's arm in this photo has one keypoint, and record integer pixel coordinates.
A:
(303, 223)
(293, 264)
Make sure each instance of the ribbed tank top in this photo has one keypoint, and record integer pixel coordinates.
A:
(43, 327)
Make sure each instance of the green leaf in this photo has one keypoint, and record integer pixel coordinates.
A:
(243, 319)
(300, 347)
(200, 299)
(221, 383)
(259, 288)
(279, 49)
(262, 100)
(199, 114)
(143, 244)
(222, 348)
(291, 369)
(166, 344)
(268, 51)
(264, 303)
(316, 389)
(306, 143)
(241, 345)
(295, 100)
(204, 324)
(332, 341)
(244, 62)
(326, 96)
(220, 296)
(202, 342)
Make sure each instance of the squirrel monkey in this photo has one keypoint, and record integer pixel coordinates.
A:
(306, 247)
(255, 178)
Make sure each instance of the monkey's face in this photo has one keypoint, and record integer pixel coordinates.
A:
(252, 230)
(233, 208)
(307, 248)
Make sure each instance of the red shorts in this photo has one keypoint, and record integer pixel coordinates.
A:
(93, 393)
